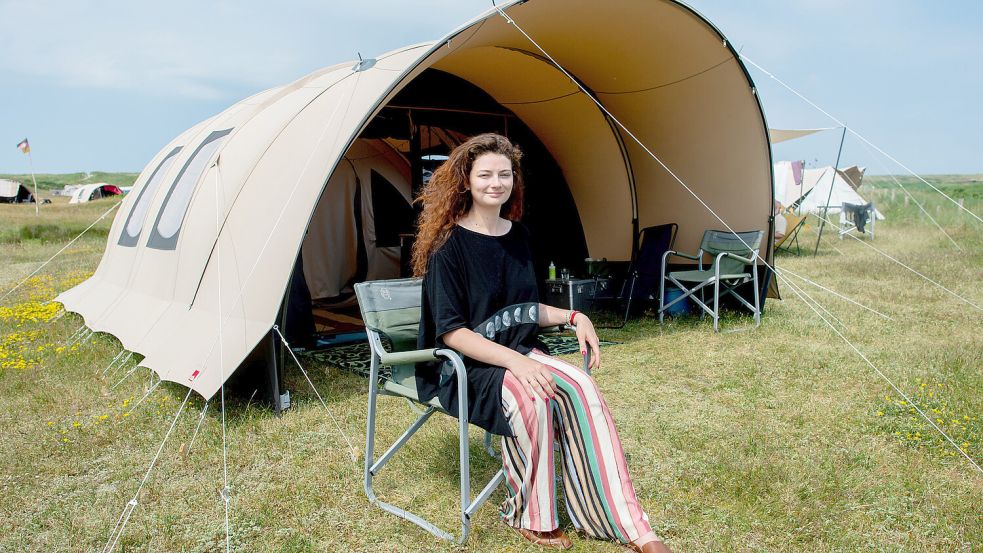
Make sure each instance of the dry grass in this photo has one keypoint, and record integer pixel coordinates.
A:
(775, 439)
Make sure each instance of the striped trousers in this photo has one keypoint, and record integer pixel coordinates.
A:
(600, 498)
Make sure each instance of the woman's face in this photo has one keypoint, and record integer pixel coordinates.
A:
(491, 180)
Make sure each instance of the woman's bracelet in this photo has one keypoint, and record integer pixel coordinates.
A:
(573, 314)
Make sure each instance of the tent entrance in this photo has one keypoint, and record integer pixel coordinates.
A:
(364, 223)
(438, 111)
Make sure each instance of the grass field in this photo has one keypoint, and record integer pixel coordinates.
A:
(776, 439)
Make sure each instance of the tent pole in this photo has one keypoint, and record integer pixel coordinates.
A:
(273, 373)
(37, 200)
(836, 168)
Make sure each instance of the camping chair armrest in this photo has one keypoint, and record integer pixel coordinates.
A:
(406, 357)
(695, 257)
(749, 261)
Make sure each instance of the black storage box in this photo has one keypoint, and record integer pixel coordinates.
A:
(576, 293)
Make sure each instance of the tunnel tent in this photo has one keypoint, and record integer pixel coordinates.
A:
(200, 255)
(13, 192)
(95, 191)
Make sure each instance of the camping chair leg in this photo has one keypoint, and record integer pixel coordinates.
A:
(716, 305)
(372, 468)
(662, 295)
(631, 292)
(757, 304)
(463, 445)
(370, 429)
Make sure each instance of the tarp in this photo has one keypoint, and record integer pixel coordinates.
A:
(781, 135)
(201, 251)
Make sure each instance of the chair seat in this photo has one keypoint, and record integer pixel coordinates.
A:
(701, 276)
(390, 387)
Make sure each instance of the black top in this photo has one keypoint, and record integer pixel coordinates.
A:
(486, 284)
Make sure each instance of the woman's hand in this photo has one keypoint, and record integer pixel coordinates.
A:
(586, 335)
(535, 377)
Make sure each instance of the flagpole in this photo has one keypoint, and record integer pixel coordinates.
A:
(37, 200)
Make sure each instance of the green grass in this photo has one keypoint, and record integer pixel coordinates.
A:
(776, 439)
(48, 181)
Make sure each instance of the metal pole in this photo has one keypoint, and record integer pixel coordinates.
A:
(37, 200)
(836, 168)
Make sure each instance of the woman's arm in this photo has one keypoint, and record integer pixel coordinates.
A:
(586, 335)
(533, 375)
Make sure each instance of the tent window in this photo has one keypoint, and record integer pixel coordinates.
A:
(171, 216)
(134, 221)
(391, 214)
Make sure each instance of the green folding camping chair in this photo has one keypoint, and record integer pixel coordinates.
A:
(732, 253)
(391, 308)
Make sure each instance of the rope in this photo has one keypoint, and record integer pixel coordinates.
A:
(117, 532)
(65, 247)
(113, 362)
(858, 135)
(137, 404)
(351, 448)
(121, 364)
(293, 191)
(71, 339)
(871, 246)
(82, 337)
(226, 495)
(809, 300)
(756, 256)
(835, 293)
(912, 198)
(898, 390)
(127, 375)
(201, 418)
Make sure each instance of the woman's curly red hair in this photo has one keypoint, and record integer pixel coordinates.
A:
(447, 198)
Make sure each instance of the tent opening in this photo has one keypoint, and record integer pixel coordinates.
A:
(364, 223)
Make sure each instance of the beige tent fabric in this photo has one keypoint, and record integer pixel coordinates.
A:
(781, 135)
(330, 247)
(661, 69)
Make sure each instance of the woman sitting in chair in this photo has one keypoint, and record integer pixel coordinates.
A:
(480, 298)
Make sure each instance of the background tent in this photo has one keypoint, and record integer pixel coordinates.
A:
(13, 192)
(817, 182)
(95, 191)
(201, 252)
(788, 181)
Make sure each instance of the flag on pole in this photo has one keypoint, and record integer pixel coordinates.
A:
(24, 146)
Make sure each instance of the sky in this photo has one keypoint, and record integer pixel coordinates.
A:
(102, 85)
